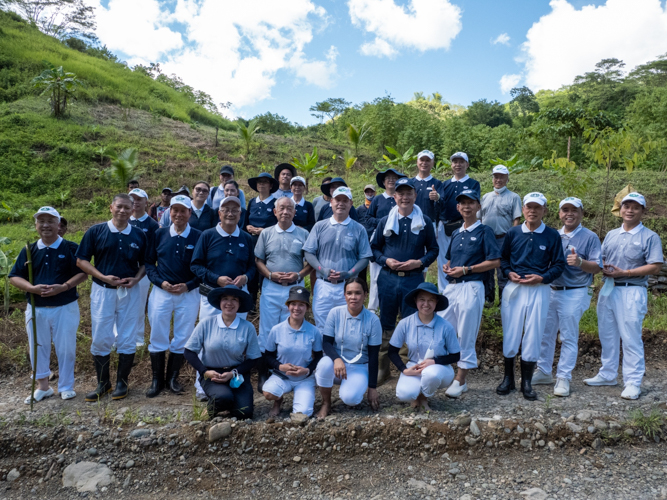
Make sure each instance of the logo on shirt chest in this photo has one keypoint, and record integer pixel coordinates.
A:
(472, 238)
(241, 245)
(61, 256)
(190, 247)
(542, 247)
(144, 229)
(134, 245)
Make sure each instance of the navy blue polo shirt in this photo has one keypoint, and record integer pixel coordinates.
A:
(119, 254)
(448, 191)
(148, 226)
(207, 219)
(260, 213)
(380, 207)
(423, 189)
(52, 265)
(327, 213)
(470, 247)
(538, 252)
(219, 254)
(406, 245)
(305, 215)
(169, 259)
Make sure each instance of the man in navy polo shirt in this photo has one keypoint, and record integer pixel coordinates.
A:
(472, 252)
(141, 220)
(175, 291)
(532, 258)
(218, 192)
(403, 246)
(119, 250)
(327, 211)
(283, 173)
(56, 307)
(450, 218)
(426, 185)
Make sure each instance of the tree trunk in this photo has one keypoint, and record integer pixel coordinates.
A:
(604, 200)
(569, 140)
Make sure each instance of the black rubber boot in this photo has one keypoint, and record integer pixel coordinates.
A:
(103, 383)
(173, 369)
(527, 369)
(122, 376)
(507, 385)
(262, 374)
(157, 365)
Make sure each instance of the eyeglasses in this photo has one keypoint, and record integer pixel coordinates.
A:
(201, 190)
(232, 211)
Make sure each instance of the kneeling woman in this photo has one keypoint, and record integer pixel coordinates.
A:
(293, 349)
(229, 350)
(432, 347)
(351, 343)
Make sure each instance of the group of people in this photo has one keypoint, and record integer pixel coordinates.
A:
(212, 259)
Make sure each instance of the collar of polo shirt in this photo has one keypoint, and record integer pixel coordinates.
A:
(266, 200)
(289, 229)
(185, 233)
(562, 232)
(634, 230)
(431, 324)
(344, 223)
(454, 179)
(471, 228)
(406, 216)
(140, 219)
(113, 229)
(425, 179)
(540, 229)
(233, 326)
(225, 234)
(387, 196)
(301, 202)
(54, 245)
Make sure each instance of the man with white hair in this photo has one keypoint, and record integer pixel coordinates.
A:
(630, 254)
(54, 281)
(570, 296)
(501, 210)
(338, 249)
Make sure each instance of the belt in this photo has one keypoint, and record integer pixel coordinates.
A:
(459, 281)
(629, 284)
(406, 273)
(286, 284)
(332, 282)
(559, 288)
(498, 236)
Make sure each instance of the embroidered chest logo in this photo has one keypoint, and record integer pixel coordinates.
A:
(542, 247)
(134, 245)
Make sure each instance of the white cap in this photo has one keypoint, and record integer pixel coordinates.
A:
(500, 169)
(459, 154)
(49, 211)
(139, 192)
(343, 190)
(535, 197)
(229, 199)
(634, 197)
(426, 152)
(180, 200)
(297, 178)
(571, 200)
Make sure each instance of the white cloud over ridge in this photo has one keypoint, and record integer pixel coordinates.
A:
(231, 50)
(568, 42)
(422, 25)
(503, 39)
(508, 82)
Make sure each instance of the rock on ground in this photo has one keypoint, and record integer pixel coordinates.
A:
(87, 476)
(219, 431)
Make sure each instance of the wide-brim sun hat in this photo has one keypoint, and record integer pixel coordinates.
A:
(252, 182)
(245, 300)
(326, 187)
(442, 304)
(379, 178)
(284, 166)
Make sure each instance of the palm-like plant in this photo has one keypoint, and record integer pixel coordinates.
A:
(403, 161)
(124, 166)
(308, 164)
(349, 159)
(60, 85)
(356, 135)
(247, 134)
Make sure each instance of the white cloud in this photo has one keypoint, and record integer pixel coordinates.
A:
(231, 50)
(422, 24)
(568, 42)
(508, 82)
(503, 39)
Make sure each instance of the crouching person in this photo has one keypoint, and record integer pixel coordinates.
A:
(351, 344)
(56, 307)
(293, 349)
(229, 350)
(432, 347)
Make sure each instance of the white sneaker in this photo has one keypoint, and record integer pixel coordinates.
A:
(456, 389)
(39, 395)
(598, 380)
(562, 387)
(67, 394)
(631, 391)
(541, 378)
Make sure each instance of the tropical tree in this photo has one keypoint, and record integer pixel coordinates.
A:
(308, 165)
(247, 133)
(402, 161)
(331, 107)
(59, 85)
(356, 135)
(58, 18)
(124, 166)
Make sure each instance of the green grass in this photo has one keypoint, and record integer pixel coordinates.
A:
(648, 424)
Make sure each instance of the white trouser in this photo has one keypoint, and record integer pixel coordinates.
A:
(443, 244)
(325, 297)
(304, 392)
(566, 307)
(526, 311)
(144, 286)
(352, 389)
(272, 308)
(620, 317)
(466, 303)
(373, 297)
(432, 378)
(57, 324)
(161, 305)
(107, 310)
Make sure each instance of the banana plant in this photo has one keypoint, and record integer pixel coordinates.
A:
(5, 268)
(124, 166)
(348, 159)
(403, 161)
(11, 214)
(59, 85)
(308, 165)
(247, 134)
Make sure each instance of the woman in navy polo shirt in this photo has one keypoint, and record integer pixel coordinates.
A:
(305, 213)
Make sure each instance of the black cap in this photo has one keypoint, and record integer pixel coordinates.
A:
(245, 300)
(298, 294)
(442, 304)
(167, 189)
(284, 166)
(326, 189)
(227, 169)
(183, 190)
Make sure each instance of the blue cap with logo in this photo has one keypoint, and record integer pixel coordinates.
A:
(468, 193)
(404, 182)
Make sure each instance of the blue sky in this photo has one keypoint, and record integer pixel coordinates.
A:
(284, 56)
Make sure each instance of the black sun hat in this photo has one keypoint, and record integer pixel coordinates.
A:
(252, 182)
(442, 304)
(245, 300)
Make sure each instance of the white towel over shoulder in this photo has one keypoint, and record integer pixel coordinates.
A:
(392, 221)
